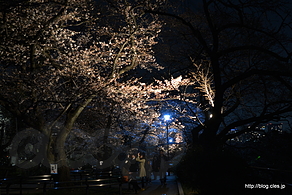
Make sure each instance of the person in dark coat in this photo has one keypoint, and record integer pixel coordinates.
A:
(162, 167)
(134, 165)
(155, 166)
(148, 170)
(133, 172)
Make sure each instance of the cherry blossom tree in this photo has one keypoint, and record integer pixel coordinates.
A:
(132, 120)
(59, 56)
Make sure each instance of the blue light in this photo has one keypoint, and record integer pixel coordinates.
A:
(167, 117)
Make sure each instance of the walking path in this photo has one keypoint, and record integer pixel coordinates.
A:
(156, 188)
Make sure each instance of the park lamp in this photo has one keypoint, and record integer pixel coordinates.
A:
(166, 117)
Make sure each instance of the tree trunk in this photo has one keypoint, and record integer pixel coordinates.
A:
(60, 153)
(206, 163)
(107, 129)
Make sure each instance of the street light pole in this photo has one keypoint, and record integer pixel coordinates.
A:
(167, 142)
(167, 118)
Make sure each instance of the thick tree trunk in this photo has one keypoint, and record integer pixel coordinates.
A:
(207, 164)
(206, 136)
(60, 153)
(107, 129)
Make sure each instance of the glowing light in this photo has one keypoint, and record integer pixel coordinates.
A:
(167, 117)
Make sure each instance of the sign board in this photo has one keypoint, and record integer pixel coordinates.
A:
(54, 169)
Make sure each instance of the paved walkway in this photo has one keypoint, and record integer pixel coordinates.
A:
(155, 188)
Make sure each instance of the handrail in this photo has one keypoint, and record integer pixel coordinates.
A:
(276, 171)
(271, 169)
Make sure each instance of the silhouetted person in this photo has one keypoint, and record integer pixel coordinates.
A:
(155, 165)
(148, 170)
(133, 172)
(162, 163)
(134, 165)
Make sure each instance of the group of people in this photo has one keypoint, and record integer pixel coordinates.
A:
(137, 166)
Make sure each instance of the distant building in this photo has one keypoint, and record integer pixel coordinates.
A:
(274, 127)
(259, 132)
